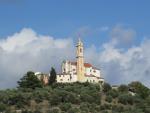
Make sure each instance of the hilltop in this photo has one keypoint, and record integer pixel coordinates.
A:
(77, 98)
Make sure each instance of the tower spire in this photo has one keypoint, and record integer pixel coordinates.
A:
(79, 38)
(80, 61)
(79, 43)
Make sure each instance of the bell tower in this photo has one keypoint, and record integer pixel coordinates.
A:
(80, 61)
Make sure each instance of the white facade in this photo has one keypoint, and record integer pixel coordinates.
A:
(43, 77)
(79, 71)
(69, 73)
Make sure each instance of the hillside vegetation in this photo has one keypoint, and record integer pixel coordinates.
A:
(76, 98)
(32, 96)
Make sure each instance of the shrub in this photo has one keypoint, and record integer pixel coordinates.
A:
(106, 87)
(126, 99)
(73, 110)
(2, 107)
(55, 99)
(113, 93)
(123, 88)
(140, 89)
(84, 107)
(105, 107)
(55, 110)
(108, 99)
(65, 106)
(87, 98)
(117, 108)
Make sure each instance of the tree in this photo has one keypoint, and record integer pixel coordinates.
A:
(123, 88)
(108, 99)
(2, 107)
(52, 78)
(106, 87)
(113, 93)
(29, 81)
(139, 89)
(126, 99)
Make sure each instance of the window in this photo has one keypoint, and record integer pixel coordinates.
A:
(59, 75)
(80, 50)
(61, 79)
(68, 79)
(93, 80)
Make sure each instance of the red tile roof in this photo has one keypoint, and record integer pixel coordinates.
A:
(85, 65)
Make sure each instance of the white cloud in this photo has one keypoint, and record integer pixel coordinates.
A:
(27, 50)
(122, 65)
(122, 34)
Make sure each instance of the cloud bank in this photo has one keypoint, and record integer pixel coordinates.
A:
(121, 65)
(27, 50)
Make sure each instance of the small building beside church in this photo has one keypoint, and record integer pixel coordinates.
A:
(42, 77)
(79, 71)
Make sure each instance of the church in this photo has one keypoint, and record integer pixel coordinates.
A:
(79, 71)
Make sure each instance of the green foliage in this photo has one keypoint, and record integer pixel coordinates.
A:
(2, 107)
(73, 98)
(140, 89)
(106, 87)
(65, 106)
(74, 110)
(54, 110)
(113, 93)
(29, 81)
(117, 108)
(126, 99)
(123, 88)
(52, 78)
(108, 99)
(84, 107)
(105, 106)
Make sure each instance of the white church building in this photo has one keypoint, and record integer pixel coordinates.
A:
(79, 71)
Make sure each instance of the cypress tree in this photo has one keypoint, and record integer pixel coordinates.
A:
(52, 78)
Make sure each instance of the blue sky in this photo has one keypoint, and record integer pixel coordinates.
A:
(63, 18)
(38, 34)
